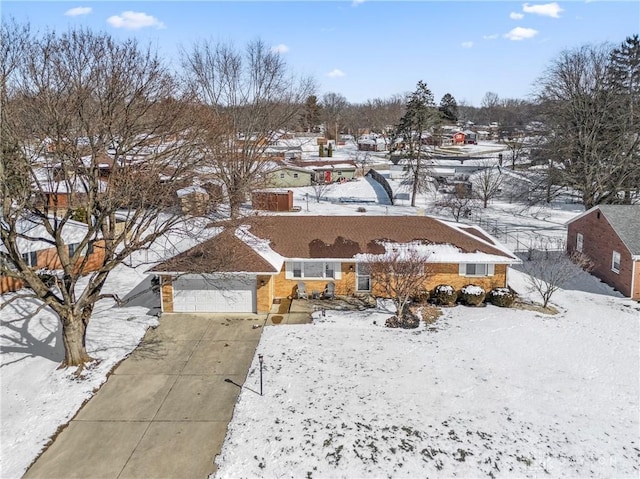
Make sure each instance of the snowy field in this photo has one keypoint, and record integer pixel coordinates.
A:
(484, 392)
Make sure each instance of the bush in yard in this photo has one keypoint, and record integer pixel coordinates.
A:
(503, 297)
(445, 295)
(420, 296)
(409, 320)
(472, 295)
(361, 209)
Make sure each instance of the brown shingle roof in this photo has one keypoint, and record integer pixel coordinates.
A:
(345, 236)
(223, 253)
(318, 237)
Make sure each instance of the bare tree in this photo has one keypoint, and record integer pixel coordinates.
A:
(334, 106)
(597, 151)
(77, 99)
(549, 267)
(362, 160)
(486, 183)
(320, 188)
(247, 97)
(459, 204)
(400, 273)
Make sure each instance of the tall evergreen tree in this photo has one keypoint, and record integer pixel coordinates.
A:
(624, 80)
(448, 108)
(420, 117)
(311, 115)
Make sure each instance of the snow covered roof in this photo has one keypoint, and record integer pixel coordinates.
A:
(35, 237)
(190, 190)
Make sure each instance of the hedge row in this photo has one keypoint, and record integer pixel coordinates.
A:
(470, 295)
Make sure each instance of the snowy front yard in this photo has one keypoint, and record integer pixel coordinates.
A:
(485, 392)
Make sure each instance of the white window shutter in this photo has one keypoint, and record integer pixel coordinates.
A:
(462, 269)
(491, 269)
(337, 270)
(288, 272)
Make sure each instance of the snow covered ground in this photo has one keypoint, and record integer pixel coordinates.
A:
(483, 392)
(521, 391)
(36, 398)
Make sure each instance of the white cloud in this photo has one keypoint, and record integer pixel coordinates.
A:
(336, 73)
(281, 48)
(547, 9)
(74, 12)
(521, 33)
(466, 44)
(516, 16)
(134, 21)
(493, 36)
(355, 3)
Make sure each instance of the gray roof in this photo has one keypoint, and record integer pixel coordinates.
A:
(625, 220)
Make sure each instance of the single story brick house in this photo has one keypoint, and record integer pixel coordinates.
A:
(36, 247)
(610, 236)
(245, 268)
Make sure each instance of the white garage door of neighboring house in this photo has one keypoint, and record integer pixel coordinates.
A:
(231, 294)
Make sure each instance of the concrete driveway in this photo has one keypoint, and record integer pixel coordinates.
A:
(164, 411)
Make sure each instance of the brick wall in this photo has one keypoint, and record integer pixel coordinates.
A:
(599, 242)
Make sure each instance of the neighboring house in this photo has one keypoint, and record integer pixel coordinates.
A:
(289, 177)
(610, 236)
(244, 269)
(36, 246)
(371, 142)
(333, 172)
(466, 137)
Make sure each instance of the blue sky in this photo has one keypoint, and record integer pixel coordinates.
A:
(368, 49)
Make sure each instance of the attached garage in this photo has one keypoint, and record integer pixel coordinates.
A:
(214, 294)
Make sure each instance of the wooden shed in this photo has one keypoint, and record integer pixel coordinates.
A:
(272, 200)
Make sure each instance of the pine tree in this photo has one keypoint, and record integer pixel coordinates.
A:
(311, 115)
(624, 80)
(420, 117)
(330, 150)
(448, 108)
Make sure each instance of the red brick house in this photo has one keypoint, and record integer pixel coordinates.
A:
(38, 252)
(610, 236)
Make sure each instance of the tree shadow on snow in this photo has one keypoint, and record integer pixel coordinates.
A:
(47, 345)
(580, 280)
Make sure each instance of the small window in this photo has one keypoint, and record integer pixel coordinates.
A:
(476, 270)
(615, 262)
(89, 248)
(295, 175)
(72, 248)
(297, 270)
(281, 175)
(329, 270)
(579, 242)
(30, 258)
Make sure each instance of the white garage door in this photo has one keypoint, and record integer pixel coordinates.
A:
(231, 294)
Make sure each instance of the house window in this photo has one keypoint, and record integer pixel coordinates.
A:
(88, 249)
(615, 262)
(30, 258)
(363, 277)
(473, 269)
(312, 270)
(579, 242)
(282, 175)
(295, 175)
